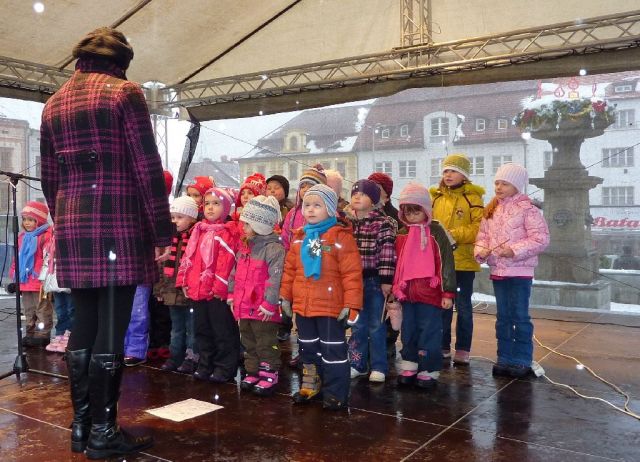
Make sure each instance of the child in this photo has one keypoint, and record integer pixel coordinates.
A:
(197, 189)
(425, 283)
(62, 300)
(375, 235)
(203, 275)
(322, 284)
(184, 213)
(254, 293)
(254, 185)
(31, 243)
(278, 187)
(385, 183)
(512, 234)
(458, 206)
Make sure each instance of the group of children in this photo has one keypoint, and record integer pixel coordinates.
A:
(236, 278)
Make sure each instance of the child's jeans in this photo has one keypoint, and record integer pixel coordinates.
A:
(368, 342)
(136, 341)
(421, 335)
(514, 330)
(182, 332)
(464, 321)
(63, 304)
(322, 342)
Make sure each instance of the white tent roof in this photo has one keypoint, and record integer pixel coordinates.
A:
(186, 41)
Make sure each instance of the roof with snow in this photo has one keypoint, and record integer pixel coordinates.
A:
(225, 174)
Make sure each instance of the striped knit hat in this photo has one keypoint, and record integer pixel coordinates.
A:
(36, 210)
(314, 175)
(328, 196)
(262, 214)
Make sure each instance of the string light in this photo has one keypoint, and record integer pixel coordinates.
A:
(38, 7)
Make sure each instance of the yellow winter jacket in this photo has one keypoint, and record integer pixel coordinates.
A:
(460, 211)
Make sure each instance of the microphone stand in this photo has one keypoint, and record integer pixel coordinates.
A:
(20, 365)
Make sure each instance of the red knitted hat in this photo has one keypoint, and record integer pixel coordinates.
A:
(36, 210)
(256, 183)
(383, 180)
(202, 184)
(168, 181)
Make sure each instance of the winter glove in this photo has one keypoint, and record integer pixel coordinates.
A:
(266, 314)
(348, 317)
(11, 288)
(285, 307)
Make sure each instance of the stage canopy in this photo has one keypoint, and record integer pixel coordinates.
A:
(235, 58)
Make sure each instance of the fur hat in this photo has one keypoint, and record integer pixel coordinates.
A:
(168, 181)
(105, 42)
(383, 180)
(314, 175)
(328, 196)
(224, 198)
(36, 210)
(262, 213)
(283, 182)
(415, 194)
(201, 184)
(256, 183)
(185, 205)
(368, 187)
(458, 163)
(514, 174)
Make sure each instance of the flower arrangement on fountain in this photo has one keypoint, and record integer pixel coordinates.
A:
(549, 113)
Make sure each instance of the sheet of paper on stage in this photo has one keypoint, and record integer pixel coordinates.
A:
(183, 410)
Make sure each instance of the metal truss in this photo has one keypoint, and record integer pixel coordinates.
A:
(616, 31)
(24, 75)
(415, 22)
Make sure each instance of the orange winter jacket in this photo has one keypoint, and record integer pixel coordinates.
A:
(340, 282)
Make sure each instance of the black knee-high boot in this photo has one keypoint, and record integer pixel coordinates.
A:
(78, 367)
(106, 438)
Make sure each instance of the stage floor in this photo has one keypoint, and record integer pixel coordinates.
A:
(471, 416)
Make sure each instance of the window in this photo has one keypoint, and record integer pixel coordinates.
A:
(481, 124)
(622, 88)
(38, 167)
(293, 144)
(617, 157)
(341, 167)
(384, 167)
(385, 133)
(625, 118)
(404, 131)
(477, 165)
(440, 126)
(293, 170)
(503, 124)
(617, 196)
(261, 169)
(407, 168)
(548, 159)
(436, 167)
(497, 161)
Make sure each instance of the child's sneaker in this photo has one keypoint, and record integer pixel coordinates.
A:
(310, 387)
(461, 358)
(376, 376)
(249, 382)
(446, 355)
(500, 370)
(53, 345)
(62, 346)
(518, 371)
(408, 372)
(427, 380)
(356, 373)
(268, 380)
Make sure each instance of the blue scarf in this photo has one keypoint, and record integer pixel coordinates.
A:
(311, 250)
(27, 252)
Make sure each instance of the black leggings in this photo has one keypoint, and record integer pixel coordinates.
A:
(102, 317)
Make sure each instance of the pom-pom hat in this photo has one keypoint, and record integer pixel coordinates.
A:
(314, 175)
(255, 183)
(36, 210)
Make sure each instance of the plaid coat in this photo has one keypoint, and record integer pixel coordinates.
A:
(102, 178)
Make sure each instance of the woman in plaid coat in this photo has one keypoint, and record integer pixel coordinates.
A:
(102, 178)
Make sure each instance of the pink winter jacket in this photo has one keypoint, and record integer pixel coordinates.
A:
(200, 284)
(255, 281)
(292, 221)
(516, 223)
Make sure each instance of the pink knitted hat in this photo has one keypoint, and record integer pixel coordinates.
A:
(515, 174)
(223, 196)
(415, 194)
(36, 210)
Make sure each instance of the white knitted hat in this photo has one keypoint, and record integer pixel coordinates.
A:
(515, 174)
(262, 214)
(184, 205)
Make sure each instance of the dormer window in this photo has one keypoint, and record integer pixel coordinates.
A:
(295, 141)
(404, 131)
(503, 124)
(385, 133)
(481, 124)
(623, 88)
(293, 144)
